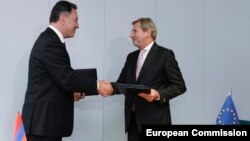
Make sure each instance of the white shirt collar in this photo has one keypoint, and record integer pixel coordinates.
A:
(149, 46)
(58, 33)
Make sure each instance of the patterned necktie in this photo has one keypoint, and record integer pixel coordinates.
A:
(140, 61)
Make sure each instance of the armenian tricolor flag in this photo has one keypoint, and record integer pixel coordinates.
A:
(19, 133)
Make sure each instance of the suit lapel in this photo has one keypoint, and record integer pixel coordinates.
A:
(134, 64)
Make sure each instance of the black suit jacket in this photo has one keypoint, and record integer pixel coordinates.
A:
(48, 107)
(159, 71)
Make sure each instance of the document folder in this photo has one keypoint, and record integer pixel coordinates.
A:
(91, 74)
(133, 88)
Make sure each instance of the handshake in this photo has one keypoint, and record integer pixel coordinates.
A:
(104, 88)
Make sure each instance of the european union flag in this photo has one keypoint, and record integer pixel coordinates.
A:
(228, 114)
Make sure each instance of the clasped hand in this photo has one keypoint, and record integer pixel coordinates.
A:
(154, 95)
(78, 96)
(105, 88)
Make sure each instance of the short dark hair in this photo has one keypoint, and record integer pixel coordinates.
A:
(59, 8)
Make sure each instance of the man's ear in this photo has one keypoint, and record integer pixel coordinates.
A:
(62, 19)
(148, 32)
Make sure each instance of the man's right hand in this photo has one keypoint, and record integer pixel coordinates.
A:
(105, 88)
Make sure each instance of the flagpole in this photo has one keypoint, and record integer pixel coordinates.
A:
(230, 92)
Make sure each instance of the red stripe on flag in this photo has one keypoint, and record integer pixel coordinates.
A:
(19, 134)
(18, 124)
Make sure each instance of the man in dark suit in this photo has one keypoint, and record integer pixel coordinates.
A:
(156, 67)
(48, 109)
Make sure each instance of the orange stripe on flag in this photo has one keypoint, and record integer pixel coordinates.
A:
(19, 133)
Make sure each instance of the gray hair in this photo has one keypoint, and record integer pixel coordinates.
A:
(147, 24)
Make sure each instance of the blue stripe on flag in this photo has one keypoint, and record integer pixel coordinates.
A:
(20, 134)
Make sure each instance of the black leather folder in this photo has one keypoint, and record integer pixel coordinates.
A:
(89, 73)
(133, 88)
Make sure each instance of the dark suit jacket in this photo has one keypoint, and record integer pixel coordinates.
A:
(48, 107)
(159, 71)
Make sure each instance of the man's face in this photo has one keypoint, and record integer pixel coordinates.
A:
(138, 36)
(71, 24)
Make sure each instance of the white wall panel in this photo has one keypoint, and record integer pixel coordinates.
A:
(181, 28)
(21, 23)
(227, 56)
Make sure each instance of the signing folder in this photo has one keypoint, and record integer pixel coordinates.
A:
(133, 88)
(88, 74)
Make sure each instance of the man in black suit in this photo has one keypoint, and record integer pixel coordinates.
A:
(156, 67)
(48, 109)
